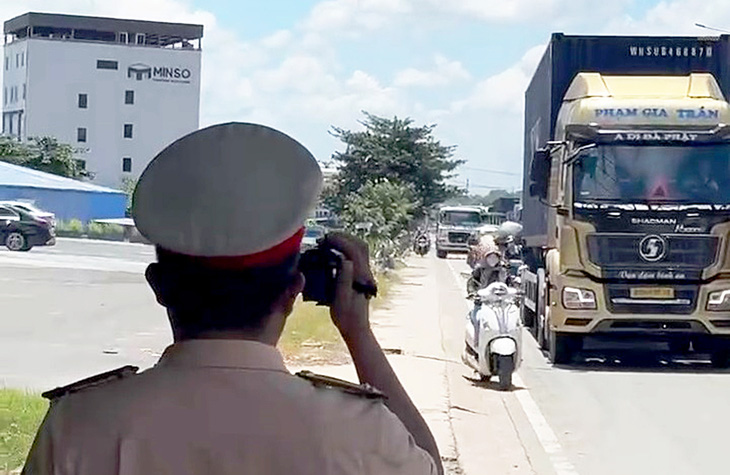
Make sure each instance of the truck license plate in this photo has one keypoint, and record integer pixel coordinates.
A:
(652, 293)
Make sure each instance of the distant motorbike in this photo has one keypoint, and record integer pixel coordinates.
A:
(422, 244)
(493, 337)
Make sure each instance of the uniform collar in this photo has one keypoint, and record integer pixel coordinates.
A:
(241, 354)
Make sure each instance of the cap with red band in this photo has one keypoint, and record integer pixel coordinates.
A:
(229, 196)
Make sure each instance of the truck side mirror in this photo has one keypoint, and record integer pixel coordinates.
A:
(540, 174)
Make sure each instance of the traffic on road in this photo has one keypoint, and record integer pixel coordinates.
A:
(574, 322)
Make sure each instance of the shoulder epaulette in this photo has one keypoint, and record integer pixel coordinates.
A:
(362, 390)
(92, 381)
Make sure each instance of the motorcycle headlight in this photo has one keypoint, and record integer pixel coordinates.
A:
(492, 259)
(579, 299)
(719, 301)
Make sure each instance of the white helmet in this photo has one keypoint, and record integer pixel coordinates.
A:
(509, 228)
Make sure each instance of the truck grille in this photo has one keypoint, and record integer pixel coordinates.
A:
(458, 237)
(618, 250)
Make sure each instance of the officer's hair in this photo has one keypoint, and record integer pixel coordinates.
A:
(200, 299)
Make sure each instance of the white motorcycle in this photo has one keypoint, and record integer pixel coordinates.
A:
(494, 334)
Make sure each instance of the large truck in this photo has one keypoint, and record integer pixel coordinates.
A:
(455, 224)
(626, 194)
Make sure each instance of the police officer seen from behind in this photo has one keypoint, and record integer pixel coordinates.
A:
(225, 208)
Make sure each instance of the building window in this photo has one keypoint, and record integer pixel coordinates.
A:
(129, 97)
(24, 91)
(7, 62)
(127, 131)
(106, 64)
(17, 60)
(81, 134)
(127, 165)
(5, 96)
(140, 38)
(22, 59)
(83, 101)
(124, 37)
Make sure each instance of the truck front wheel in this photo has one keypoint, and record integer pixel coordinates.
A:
(563, 346)
(720, 353)
(441, 254)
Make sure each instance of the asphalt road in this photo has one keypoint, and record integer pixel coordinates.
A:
(625, 414)
(76, 309)
(82, 307)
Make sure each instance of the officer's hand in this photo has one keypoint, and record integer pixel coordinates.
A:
(350, 309)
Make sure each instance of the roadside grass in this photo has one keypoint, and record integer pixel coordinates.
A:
(310, 336)
(21, 413)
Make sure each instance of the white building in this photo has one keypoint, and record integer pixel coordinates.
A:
(118, 90)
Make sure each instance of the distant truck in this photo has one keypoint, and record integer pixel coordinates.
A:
(626, 198)
(456, 224)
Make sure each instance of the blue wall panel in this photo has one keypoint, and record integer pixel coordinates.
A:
(70, 204)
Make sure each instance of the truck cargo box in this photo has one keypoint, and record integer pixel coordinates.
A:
(614, 55)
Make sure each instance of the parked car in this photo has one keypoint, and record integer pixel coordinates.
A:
(20, 230)
(33, 210)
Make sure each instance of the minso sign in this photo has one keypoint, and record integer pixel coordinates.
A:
(141, 72)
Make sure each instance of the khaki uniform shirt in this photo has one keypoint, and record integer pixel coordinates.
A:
(221, 407)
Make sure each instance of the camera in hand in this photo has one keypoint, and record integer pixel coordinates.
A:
(320, 267)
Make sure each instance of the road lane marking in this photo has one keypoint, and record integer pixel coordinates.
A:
(545, 434)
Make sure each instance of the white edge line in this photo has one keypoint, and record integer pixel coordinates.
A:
(545, 434)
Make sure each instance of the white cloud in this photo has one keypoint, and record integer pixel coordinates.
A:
(347, 15)
(504, 91)
(677, 17)
(444, 72)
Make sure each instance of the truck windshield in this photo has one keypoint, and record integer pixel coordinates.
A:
(461, 218)
(697, 174)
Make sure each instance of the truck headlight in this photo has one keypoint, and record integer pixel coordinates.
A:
(579, 299)
(719, 301)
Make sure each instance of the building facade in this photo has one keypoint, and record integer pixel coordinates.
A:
(118, 90)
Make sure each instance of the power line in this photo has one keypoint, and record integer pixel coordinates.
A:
(497, 172)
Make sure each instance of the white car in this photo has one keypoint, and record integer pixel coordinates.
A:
(31, 209)
(312, 234)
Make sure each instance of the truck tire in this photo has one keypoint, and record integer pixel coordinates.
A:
(720, 353)
(563, 346)
(528, 316)
(441, 254)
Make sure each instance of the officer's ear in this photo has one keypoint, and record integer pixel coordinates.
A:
(289, 296)
(152, 274)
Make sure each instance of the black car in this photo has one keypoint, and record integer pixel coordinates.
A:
(20, 230)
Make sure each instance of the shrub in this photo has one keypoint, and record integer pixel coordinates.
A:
(72, 228)
(105, 231)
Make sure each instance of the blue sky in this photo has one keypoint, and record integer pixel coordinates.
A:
(305, 65)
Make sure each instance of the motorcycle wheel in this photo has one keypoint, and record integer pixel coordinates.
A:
(505, 368)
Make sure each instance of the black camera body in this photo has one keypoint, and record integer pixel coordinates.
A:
(320, 267)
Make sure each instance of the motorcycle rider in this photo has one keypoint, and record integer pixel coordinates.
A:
(422, 240)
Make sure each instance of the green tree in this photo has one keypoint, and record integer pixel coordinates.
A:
(386, 208)
(45, 154)
(128, 186)
(13, 151)
(396, 149)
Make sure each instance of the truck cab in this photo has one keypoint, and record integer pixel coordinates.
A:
(456, 224)
(628, 214)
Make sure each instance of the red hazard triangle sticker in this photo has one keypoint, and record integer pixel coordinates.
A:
(659, 192)
(660, 189)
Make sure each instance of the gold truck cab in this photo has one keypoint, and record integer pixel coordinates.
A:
(638, 187)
